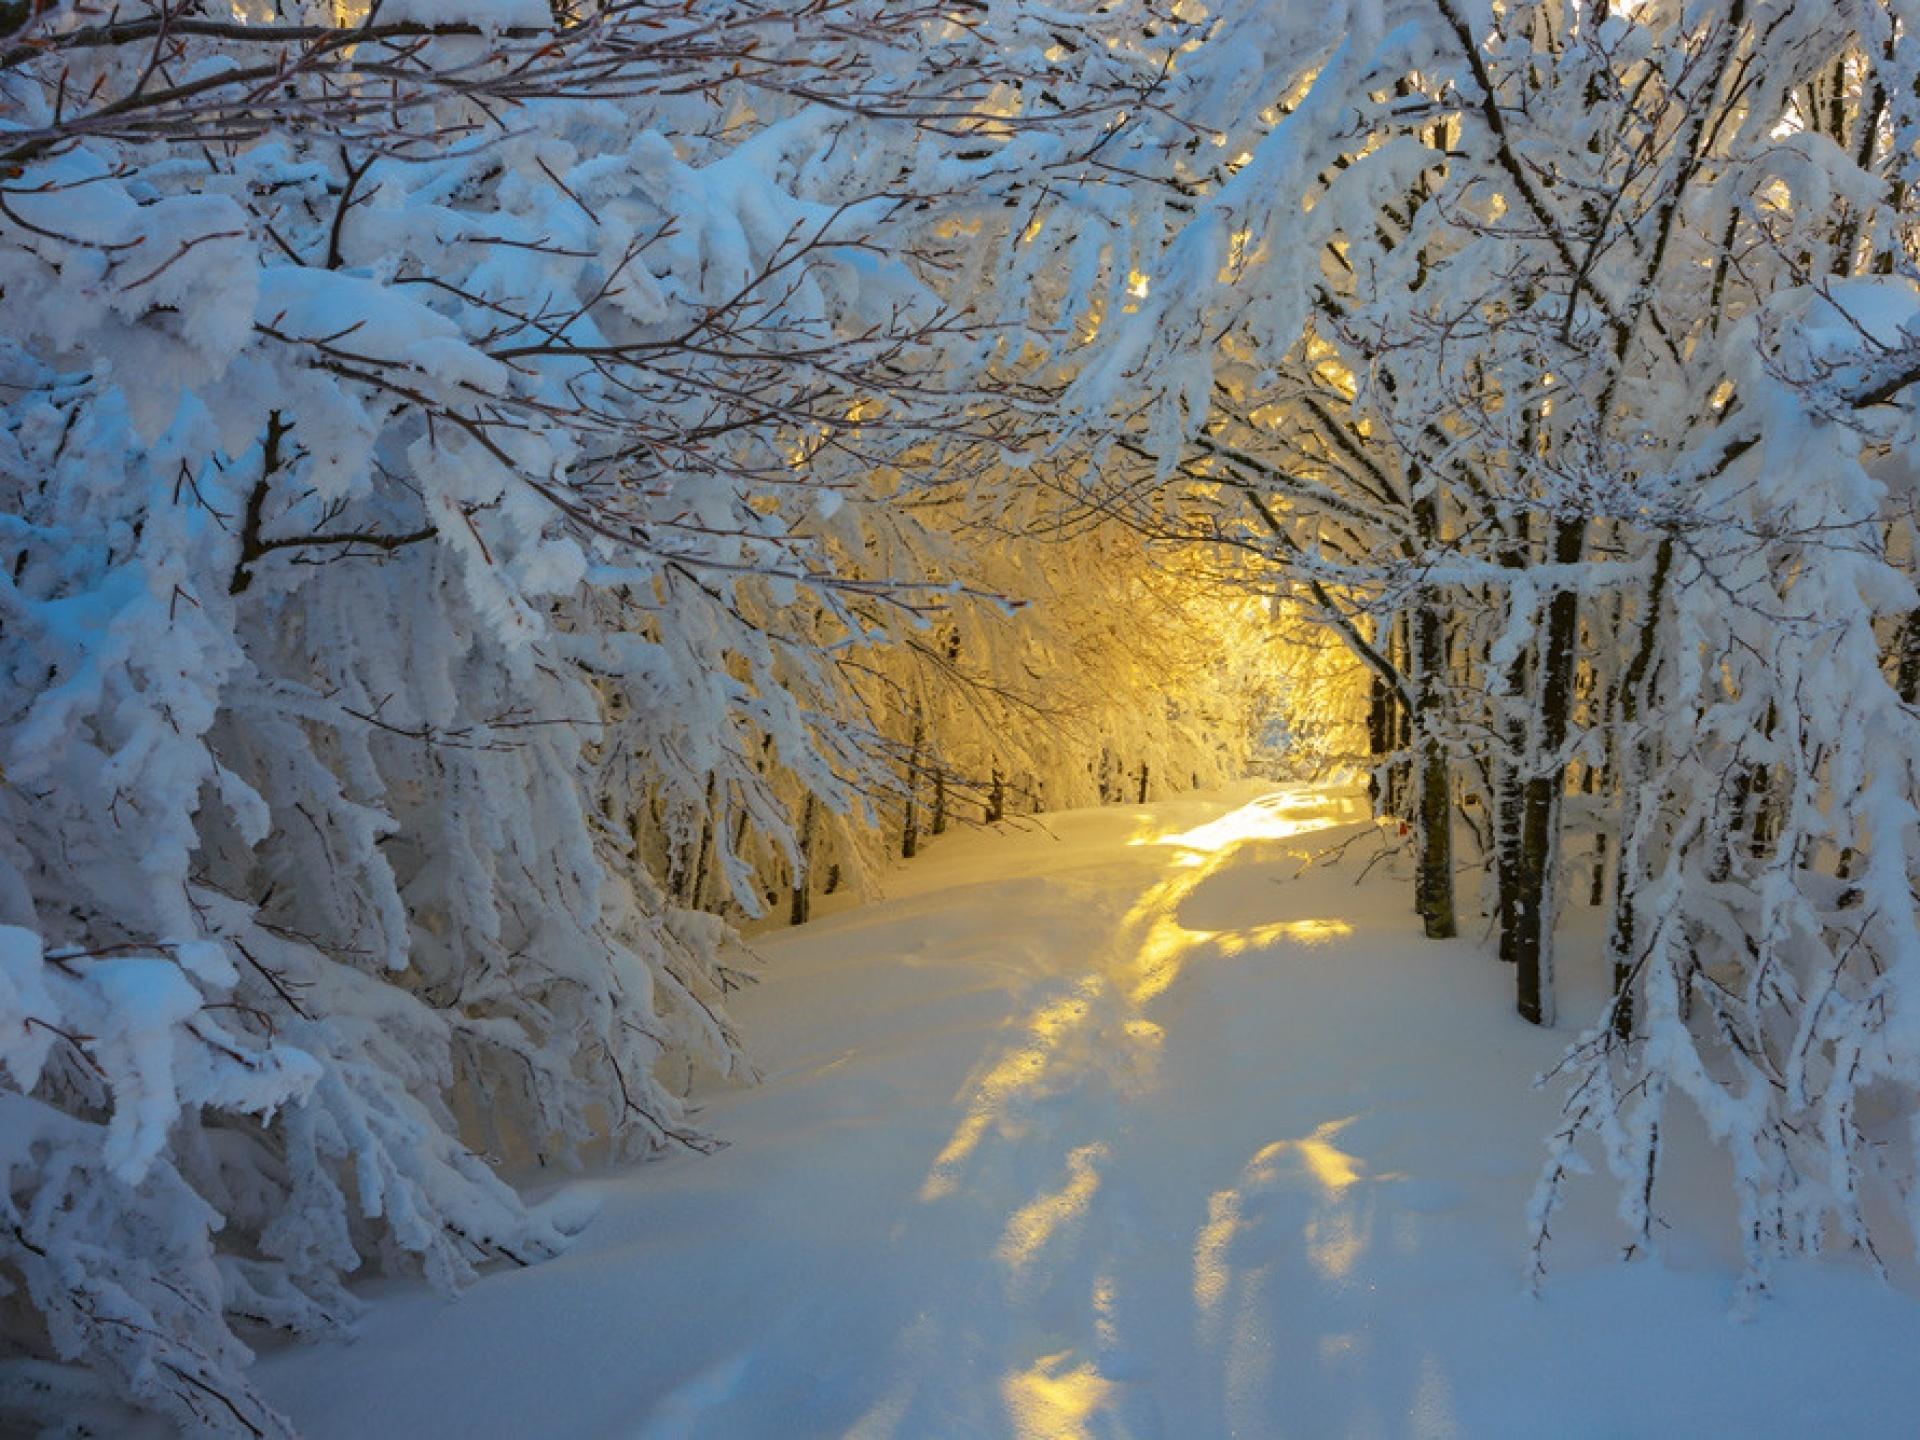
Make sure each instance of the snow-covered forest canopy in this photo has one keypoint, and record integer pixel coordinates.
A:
(497, 497)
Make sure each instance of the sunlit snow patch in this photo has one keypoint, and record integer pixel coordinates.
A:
(1278, 816)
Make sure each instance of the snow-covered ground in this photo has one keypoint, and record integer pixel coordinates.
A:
(1125, 1126)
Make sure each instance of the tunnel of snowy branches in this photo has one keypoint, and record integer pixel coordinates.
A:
(526, 530)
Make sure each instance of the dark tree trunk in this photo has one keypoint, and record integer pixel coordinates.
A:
(910, 829)
(1591, 783)
(1400, 717)
(803, 877)
(1632, 750)
(1509, 794)
(1379, 744)
(1907, 674)
(1509, 809)
(1540, 822)
(1433, 883)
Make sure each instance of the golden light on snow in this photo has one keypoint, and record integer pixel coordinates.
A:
(1335, 1238)
(1034, 1224)
(1307, 932)
(1331, 1166)
(1102, 1020)
(1054, 1399)
(1210, 1268)
(1270, 817)
(1161, 941)
(1019, 1069)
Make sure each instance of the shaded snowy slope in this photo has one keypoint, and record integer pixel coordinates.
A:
(1124, 1126)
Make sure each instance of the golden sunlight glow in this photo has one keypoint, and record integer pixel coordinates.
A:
(1332, 1167)
(1138, 283)
(1236, 254)
(1329, 364)
(1104, 1328)
(1020, 1068)
(1051, 1401)
(1163, 941)
(1305, 932)
(942, 1180)
(1272, 817)
(1034, 1223)
(1335, 1241)
(1210, 1269)
(1101, 1021)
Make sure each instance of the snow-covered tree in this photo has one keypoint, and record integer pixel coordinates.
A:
(440, 508)
(492, 495)
(1559, 354)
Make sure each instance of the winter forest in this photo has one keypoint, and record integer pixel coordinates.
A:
(702, 582)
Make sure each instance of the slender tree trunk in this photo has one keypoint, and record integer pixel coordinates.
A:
(1907, 677)
(803, 878)
(1597, 877)
(1379, 745)
(1433, 884)
(1765, 797)
(1509, 806)
(1143, 782)
(1533, 905)
(1635, 761)
(1540, 820)
(1626, 877)
(910, 829)
(1510, 791)
(996, 797)
(1400, 768)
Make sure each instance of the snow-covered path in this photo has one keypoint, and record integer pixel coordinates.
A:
(1123, 1126)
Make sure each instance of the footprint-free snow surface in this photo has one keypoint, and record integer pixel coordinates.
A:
(1131, 1123)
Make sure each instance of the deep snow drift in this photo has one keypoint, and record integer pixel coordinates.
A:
(1124, 1125)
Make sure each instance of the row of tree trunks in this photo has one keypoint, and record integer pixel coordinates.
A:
(1413, 776)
